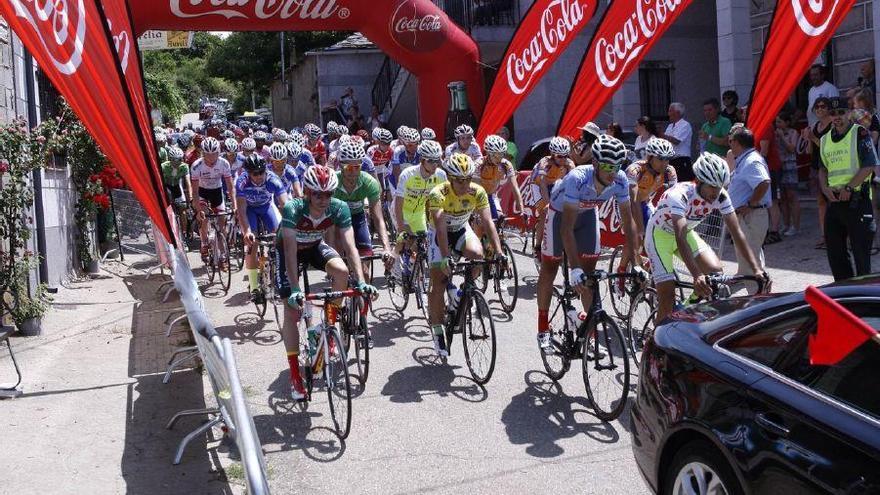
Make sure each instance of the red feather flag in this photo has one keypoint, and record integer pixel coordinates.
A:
(838, 331)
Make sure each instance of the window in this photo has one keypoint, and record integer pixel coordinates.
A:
(655, 89)
(767, 344)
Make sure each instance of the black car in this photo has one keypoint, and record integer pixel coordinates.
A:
(729, 403)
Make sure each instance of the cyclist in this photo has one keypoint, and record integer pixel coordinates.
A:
(314, 143)
(493, 169)
(195, 152)
(259, 194)
(412, 193)
(260, 138)
(380, 153)
(304, 156)
(406, 155)
(248, 147)
(305, 221)
(573, 225)
(464, 143)
(175, 174)
(208, 176)
(450, 207)
(549, 169)
(671, 231)
(333, 161)
(398, 141)
(162, 145)
(230, 152)
(428, 134)
(336, 142)
(279, 166)
(646, 178)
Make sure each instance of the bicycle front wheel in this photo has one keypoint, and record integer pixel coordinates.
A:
(557, 360)
(398, 291)
(338, 382)
(507, 281)
(605, 367)
(225, 275)
(420, 285)
(272, 296)
(264, 283)
(357, 331)
(478, 338)
(640, 322)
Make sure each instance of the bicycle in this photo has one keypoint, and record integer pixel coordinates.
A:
(472, 318)
(323, 355)
(597, 341)
(266, 245)
(354, 329)
(218, 251)
(504, 276)
(642, 312)
(235, 239)
(413, 276)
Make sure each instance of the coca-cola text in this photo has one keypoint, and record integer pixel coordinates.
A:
(259, 9)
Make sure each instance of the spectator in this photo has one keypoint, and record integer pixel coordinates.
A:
(786, 145)
(355, 121)
(731, 110)
(865, 80)
(512, 150)
(865, 115)
(715, 130)
(614, 130)
(679, 132)
(770, 152)
(749, 193)
(376, 119)
(580, 150)
(847, 159)
(331, 112)
(645, 130)
(812, 134)
(820, 87)
(346, 102)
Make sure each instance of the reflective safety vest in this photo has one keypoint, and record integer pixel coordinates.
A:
(841, 159)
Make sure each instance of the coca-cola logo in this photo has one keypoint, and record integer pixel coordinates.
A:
(615, 53)
(259, 9)
(814, 20)
(560, 21)
(60, 27)
(418, 26)
(122, 43)
(609, 216)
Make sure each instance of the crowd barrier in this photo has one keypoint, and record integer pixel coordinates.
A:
(134, 230)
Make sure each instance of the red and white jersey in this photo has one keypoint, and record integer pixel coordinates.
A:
(683, 200)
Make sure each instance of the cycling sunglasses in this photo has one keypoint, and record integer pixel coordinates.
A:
(350, 167)
(607, 167)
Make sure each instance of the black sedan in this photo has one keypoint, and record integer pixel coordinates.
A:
(728, 402)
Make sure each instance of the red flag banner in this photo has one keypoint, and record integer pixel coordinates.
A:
(838, 331)
(74, 47)
(805, 24)
(628, 31)
(544, 33)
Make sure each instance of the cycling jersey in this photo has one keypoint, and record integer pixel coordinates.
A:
(578, 187)
(259, 195)
(413, 190)
(458, 209)
(472, 151)
(683, 200)
(310, 231)
(402, 159)
(548, 172)
(318, 151)
(287, 176)
(211, 177)
(491, 176)
(172, 176)
(191, 156)
(305, 157)
(367, 188)
(380, 158)
(236, 165)
(646, 181)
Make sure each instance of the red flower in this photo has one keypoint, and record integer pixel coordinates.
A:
(4, 166)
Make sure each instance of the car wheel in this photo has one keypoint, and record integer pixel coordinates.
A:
(699, 468)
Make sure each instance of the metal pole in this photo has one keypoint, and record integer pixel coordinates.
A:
(282, 60)
(36, 174)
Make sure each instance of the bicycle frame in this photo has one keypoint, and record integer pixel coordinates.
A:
(467, 291)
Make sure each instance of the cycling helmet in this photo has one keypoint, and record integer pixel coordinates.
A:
(255, 164)
(184, 140)
(351, 151)
(430, 150)
(313, 131)
(464, 130)
(278, 151)
(230, 145)
(259, 136)
(410, 136)
(712, 169)
(383, 135)
(320, 178)
(269, 139)
(332, 127)
(294, 149)
(342, 130)
(297, 138)
(428, 133)
(660, 148)
(189, 133)
(280, 135)
(175, 153)
(227, 134)
(609, 150)
(400, 131)
(495, 144)
(248, 144)
(263, 127)
(560, 146)
(358, 139)
(210, 145)
(161, 138)
(460, 165)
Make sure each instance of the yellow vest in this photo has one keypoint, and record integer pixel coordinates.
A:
(841, 159)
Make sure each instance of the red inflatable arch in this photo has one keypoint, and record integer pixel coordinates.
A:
(415, 33)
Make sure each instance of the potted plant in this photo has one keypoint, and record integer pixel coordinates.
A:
(27, 313)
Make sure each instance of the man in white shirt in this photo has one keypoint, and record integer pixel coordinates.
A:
(680, 134)
(820, 87)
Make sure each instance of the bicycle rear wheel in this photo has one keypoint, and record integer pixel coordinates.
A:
(605, 367)
(478, 338)
(397, 289)
(507, 281)
(213, 258)
(225, 276)
(557, 362)
(420, 285)
(356, 331)
(640, 322)
(338, 382)
(272, 296)
(266, 281)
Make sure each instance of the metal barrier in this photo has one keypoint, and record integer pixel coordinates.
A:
(134, 231)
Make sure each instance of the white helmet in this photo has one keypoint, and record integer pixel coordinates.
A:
(210, 145)
(342, 130)
(298, 138)
(401, 130)
(464, 130)
(294, 149)
(230, 145)
(278, 151)
(495, 144)
(161, 137)
(560, 146)
(712, 169)
(382, 135)
(609, 150)
(280, 135)
(320, 178)
(351, 151)
(410, 135)
(175, 153)
(660, 148)
(428, 133)
(248, 144)
(332, 127)
(312, 130)
(260, 136)
(430, 150)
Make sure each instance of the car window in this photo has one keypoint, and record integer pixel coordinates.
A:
(768, 344)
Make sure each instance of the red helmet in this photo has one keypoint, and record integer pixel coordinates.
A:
(320, 178)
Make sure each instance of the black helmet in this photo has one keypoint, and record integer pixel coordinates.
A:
(255, 164)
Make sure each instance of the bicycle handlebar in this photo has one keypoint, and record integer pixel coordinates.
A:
(217, 215)
(327, 295)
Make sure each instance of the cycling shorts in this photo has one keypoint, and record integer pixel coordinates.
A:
(661, 248)
(362, 238)
(316, 256)
(266, 215)
(457, 241)
(586, 234)
(495, 206)
(212, 198)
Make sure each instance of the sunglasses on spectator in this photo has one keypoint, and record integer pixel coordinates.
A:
(820, 105)
(838, 111)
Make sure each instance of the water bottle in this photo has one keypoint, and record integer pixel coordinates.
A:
(575, 318)
(313, 339)
(453, 295)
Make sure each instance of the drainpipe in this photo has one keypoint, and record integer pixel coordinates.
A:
(36, 175)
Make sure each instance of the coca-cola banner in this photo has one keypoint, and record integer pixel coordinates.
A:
(545, 32)
(74, 47)
(805, 24)
(626, 34)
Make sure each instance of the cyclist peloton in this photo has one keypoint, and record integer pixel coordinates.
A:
(314, 143)
(464, 143)
(305, 221)
(572, 228)
(450, 207)
(279, 166)
(671, 231)
(493, 169)
(232, 155)
(176, 180)
(546, 173)
(260, 194)
(209, 175)
(380, 153)
(406, 155)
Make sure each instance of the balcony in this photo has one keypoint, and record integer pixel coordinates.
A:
(469, 14)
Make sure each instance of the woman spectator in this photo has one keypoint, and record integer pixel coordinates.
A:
(813, 135)
(645, 130)
(614, 130)
(786, 143)
(376, 119)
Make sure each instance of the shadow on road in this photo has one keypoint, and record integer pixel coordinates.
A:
(250, 328)
(431, 377)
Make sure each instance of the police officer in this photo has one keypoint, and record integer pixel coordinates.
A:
(847, 160)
